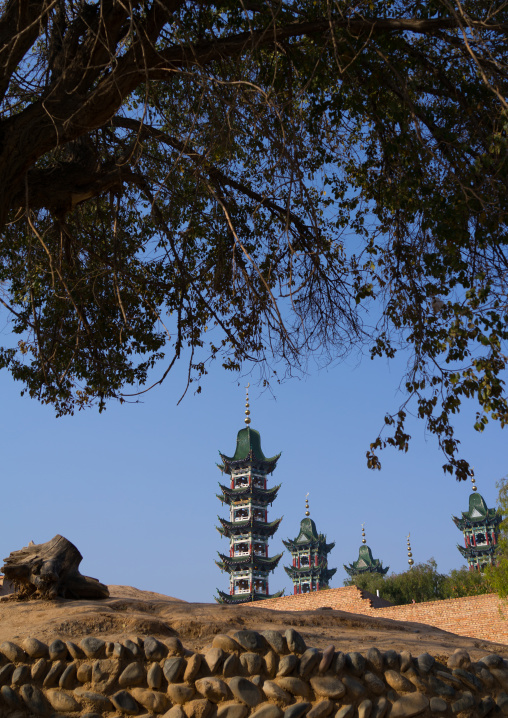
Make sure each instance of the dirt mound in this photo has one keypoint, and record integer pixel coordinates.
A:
(130, 611)
(130, 592)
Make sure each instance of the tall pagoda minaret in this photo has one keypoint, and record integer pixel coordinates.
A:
(309, 551)
(365, 563)
(480, 526)
(248, 528)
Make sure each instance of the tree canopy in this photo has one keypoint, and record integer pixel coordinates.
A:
(258, 182)
(422, 583)
(498, 574)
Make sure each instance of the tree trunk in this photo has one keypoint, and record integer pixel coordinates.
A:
(50, 570)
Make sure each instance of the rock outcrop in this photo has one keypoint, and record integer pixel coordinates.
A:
(50, 570)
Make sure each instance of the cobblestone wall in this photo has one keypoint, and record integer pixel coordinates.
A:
(483, 617)
(247, 674)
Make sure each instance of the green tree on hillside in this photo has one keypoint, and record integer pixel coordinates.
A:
(464, 582)
(256, 182)
(498, 574)
(423, 582)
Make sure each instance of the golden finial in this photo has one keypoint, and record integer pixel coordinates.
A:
(247, 410)
(307, 512)
(473, 480)
(364, 540)
(410, 555)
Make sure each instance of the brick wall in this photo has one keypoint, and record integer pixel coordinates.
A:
(484, 617)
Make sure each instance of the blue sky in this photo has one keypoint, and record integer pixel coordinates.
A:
(134, 488)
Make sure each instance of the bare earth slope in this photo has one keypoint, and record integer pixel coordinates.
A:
(130, 611)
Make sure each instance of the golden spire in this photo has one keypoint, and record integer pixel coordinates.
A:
(410, 555)
(247, 410)
(307, 512)
(473, 479)
(364, 540)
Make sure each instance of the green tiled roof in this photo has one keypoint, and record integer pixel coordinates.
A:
(245, 597)
(365, 563)
(265, 496)
(260, 528)
(322, 573)
(478, 513)
(484, 550)
(308, 537)
(248, 446)
(239, 563)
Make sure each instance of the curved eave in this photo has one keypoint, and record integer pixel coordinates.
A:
(232, 564)
(264, 495)
(313, 572)
(323, 575)
(245, 597)
(267, 465)
(477, 550)
(493, 518)
(241, 527)
(315, 544)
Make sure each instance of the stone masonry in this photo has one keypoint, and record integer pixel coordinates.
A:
(243, 675)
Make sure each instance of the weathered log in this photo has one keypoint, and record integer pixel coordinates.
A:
(50, 570)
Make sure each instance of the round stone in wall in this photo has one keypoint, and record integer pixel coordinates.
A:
(35, 648)
(245, 691)
(409, 706)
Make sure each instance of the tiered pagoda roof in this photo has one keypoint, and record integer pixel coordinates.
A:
(248, 454)
(478, 513)
(240, 563)
(320, 572)
(365, 563)
(245, 598)
(480, 527)
(237, 528)
(309, 551)
(478, 551)
(248, 528)
(265, 496)
(308, 536)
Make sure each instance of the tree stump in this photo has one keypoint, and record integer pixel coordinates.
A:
(50, 570)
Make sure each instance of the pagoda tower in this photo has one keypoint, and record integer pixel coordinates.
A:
(248, 528)
(480, 526)
(309, 551)
(365, 563)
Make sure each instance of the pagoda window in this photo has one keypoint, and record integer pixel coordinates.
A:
(241, 514)
(305, 561)
(259, 586)
(480, 539)
(241, 549)
(259, 482)
(259, 549)
(305, 588)
(241, 481)
(259, 514)
(242, 586)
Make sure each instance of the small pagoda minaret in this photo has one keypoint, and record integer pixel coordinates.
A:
(365, 563)
(410, 561)
(248, 528)
(309, 551)
(480, 526)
